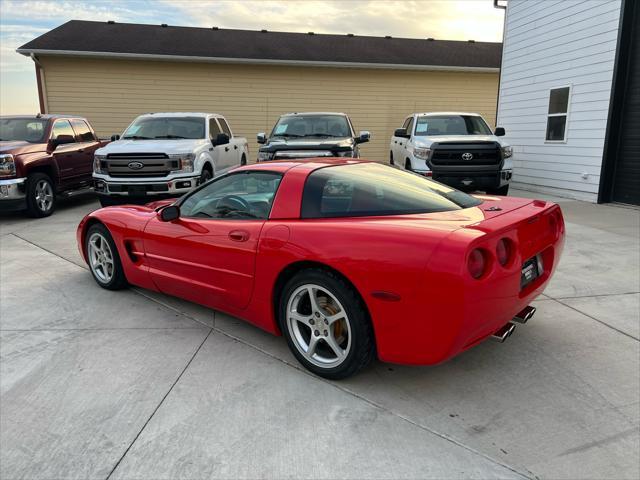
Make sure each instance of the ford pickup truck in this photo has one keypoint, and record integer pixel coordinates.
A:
(42, 157)
(165, 155)
(457, 149)
(312, 134)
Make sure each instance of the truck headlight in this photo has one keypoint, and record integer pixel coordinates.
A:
(7, 166)
(507, 152)
(97, 163)
(264, 156)
(422, 153)
(185, 162)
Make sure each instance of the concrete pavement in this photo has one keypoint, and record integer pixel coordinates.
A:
(134, 384)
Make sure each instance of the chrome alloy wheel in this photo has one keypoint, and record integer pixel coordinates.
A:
(101, 258)
(44, 195)
(319, 325)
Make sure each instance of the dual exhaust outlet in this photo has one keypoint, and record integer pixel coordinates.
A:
(505, 332)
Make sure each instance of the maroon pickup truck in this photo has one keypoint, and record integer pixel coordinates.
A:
(42, 156)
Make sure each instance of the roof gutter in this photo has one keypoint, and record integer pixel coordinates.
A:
(255, 61)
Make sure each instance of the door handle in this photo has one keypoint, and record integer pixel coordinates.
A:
(235, 147)
(226, 149)
(239, 235)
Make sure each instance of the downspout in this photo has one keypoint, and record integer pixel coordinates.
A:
(40, 83)
(504, 30)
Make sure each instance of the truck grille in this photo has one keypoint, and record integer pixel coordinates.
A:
(303, 153)
(153, 164)
(481, 153)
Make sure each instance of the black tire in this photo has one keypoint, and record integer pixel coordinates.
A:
(407, 165)
(38, 206)
(362, 349)
(391, 162)
(206, 175)
(118, 281)
(243, 160)
(502, 191)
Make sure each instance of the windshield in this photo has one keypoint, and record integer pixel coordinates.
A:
(23, 129)
(451, 125)
(369, 189)
(152, 128)
(312, 126)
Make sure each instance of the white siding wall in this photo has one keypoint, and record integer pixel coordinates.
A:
(555, 43)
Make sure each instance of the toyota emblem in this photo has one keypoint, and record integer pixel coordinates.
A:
(465, 156)
(135, 165)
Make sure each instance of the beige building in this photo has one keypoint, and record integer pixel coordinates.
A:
(111, 73)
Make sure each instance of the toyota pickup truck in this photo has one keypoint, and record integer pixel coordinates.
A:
(311, 134)
(43, 157)
(454, 148)
(165, 155)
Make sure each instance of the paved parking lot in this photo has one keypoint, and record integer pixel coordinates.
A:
(133, 384)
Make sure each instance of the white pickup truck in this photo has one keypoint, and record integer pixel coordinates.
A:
(165, 155)
(455, 148)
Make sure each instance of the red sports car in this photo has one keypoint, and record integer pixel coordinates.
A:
(350, 260)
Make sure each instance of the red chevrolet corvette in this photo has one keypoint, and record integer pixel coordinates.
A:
(348, 259)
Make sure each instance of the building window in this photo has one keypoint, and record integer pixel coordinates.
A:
(558, 114)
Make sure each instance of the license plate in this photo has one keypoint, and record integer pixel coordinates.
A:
(137, 190)
(530, 271)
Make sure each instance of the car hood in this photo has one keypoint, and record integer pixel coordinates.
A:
(428, 140)
(168, 146)
(334, 143)
(18, 147)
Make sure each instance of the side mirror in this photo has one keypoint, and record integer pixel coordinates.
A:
(169, 213)
(499, 132)
(401, 132)
(221, 139)
(261, 138)
(61, 140)
(115, 137)
(363, 137)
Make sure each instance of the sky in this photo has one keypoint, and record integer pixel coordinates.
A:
(24, 20)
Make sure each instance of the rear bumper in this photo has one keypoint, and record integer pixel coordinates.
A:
(452, 312)
(144, 188)
(12, 195)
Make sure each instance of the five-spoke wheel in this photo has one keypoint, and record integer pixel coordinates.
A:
(103, 258)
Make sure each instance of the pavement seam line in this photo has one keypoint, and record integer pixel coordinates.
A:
(48, 251)
(244, 342)
(159, 405)
(592, 296)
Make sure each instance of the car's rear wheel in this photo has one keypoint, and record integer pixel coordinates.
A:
(103, 259)
(41, 197)
(391, 162)
(326, 324)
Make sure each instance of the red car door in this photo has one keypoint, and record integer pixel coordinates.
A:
(208, 254)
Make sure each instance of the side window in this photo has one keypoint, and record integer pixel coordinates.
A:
(243, 195)
(214, 129)
(409, 126)
(224, 126)
(406, 122)
(62, 127)
(557, 114)
(82, 130)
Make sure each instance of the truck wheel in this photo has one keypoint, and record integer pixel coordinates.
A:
(206, 175)
(103, 258)
(391, 158)
(243, 160)
(407, 165)
(502, 191)
(41, 197)
(326, 325)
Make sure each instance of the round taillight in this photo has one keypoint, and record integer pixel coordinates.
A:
(476, 263)
(503, 251)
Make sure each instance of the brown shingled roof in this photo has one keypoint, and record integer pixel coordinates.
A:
(210, 44)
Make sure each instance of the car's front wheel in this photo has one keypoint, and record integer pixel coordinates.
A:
(326, 324)
(103, 258)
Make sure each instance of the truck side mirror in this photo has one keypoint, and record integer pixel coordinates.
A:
(115, 138)
(499, 132)
(221, 139)
(261, 138)
(61, 140)
(363, 137)
(169, 213)
(401, 132)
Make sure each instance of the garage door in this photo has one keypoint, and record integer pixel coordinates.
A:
(626, 184)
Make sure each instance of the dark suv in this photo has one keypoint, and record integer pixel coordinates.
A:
(42, 156)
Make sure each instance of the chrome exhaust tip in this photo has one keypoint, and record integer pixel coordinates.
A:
(525, 315)
(505, 332)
